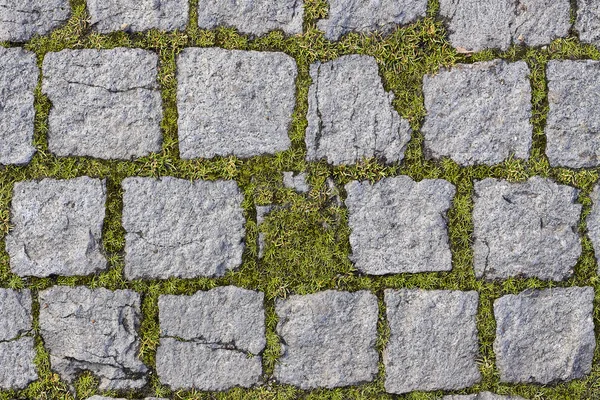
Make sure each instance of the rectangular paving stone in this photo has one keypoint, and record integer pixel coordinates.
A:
(21, 20)
(526, 229)
(433, 340)
(211, 340)
(593, 222)
(478, 113)
(545, 336)
(93, 330)
(587, 22)
(234, 102)
(57, 227)
(178, 228)
(105, 103)
(350, 115)
(327, 339)
(399, 225)
(123, 15)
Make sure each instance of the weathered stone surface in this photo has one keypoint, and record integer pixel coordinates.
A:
(121, 398)
(105, 103)
(526, 229)
(18, 78)
(588, 21)
(369, 16)
(207, 338)
(254, 17)
(15, 314)
(121, 15)
(328, 339)
(295, 181)
(478, 113)
(545, 336)
(350, 115)
(21, 20)
(593, 221)
(261, 214)
(181, 228)
(573, 124)
(94, 330)
(433, 340)
(475, 25)
(399, 225)
(481, 396)
(57, 227)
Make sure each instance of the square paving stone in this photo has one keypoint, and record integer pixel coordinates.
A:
(105, 103)
(234, 102)
(211, 340)
(433, 340)
(545, 336)
(478, 113)
(350, 115)
(587, 22)
(399, 225)
(573, 124)
(121, 15)
(179, 228)
(475, 25)
(93, 330)
(18, 79)
(21, 20)
(526, 229)
(57, 227)
(327, 339)
(481, 396)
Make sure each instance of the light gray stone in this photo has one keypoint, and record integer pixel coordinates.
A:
(255, 17)
(211, 340)
(369, 16)
(21, 20)
(433, 340)
(350, 115)
(526, 229)
(482, 396)
(94, 330)
(295, 181)
(545, 336)
(475, 25)
(478, 113)
(573, 124)
(18, 79)
(124, 15)
(57, 227)
(105, 103)
(178, 228)
(234, 102)
(587, 22)
(261, 214)
(399, 225)
(15, 314)
(593, 221)
(327, 339)
(121, 398)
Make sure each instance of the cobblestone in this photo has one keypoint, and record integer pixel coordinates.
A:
(21, 20)
(120, 15)
(587, 22)
(482, 396)
(593, 221)
(295, 181)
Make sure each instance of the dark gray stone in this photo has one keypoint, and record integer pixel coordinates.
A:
(124, 15)
(482, 396)
(295, 181)
(327, 339)
(178, 228)
(433, 340)
(57, 227)
(105, 103)
(545, 336)
(94, 330)
(478, 113)
(21, 20)
(211, 340)
(234, 102)
(588, 21)
(350, 115)
(399, 225)
(526, 229)
(593, 221)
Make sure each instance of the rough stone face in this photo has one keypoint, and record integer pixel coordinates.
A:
(526, 229)
(261, 214)
(207, 338)
(18, 78)
(181, 228)
(21, 20)
(573, 126)
(593, 221)
(234, 102)
(57, 227)
(122, 15)
(399, 225)
(588, 21)
(94, 330)
(350, 115)
(433, 340)
(478, 113)
(254, 17)
(369, 16)
(328, 339)
(475, 25)
(482, 396)
(545, 336)
(105, 103)
(295, 181)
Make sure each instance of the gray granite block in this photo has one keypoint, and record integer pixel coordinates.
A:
(593, 221)
(481, 396)
(21, 20)
(138, 15)
(297, 182)
(587, 22)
